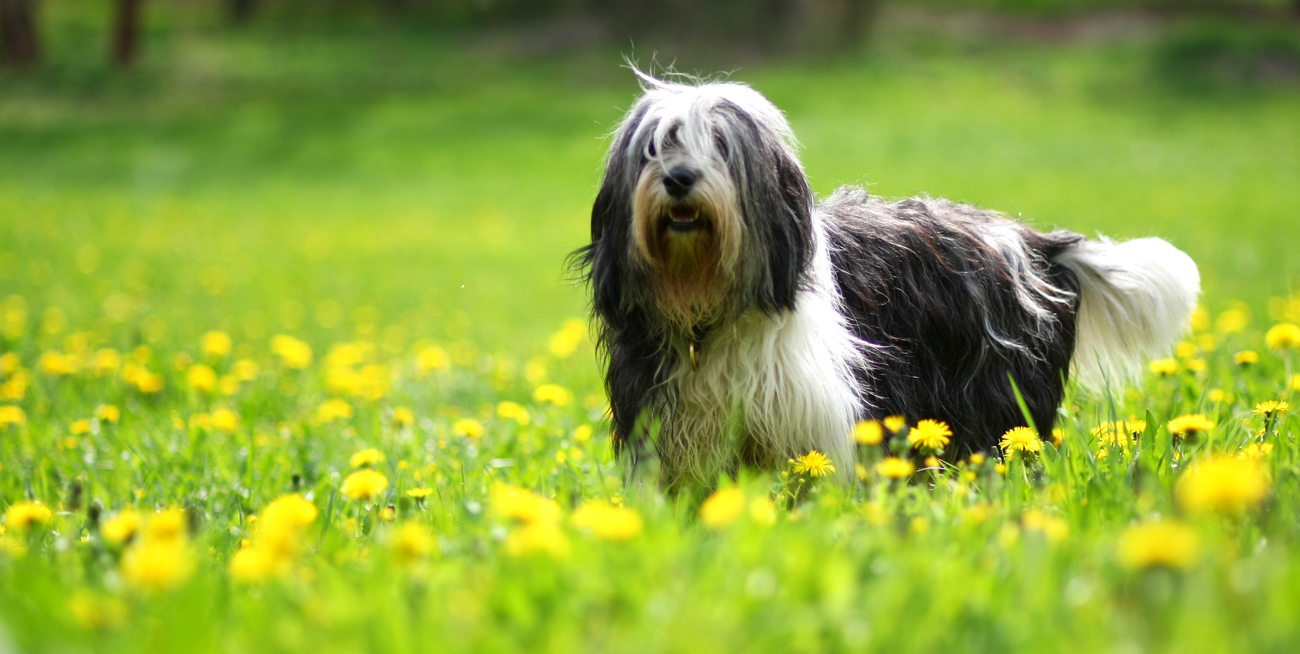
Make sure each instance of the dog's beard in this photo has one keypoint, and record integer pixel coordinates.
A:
(689, 247)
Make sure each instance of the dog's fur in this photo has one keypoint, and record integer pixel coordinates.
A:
(745, 323)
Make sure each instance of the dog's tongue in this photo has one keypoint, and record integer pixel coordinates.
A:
(684, 215)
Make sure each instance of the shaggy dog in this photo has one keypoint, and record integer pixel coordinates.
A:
(746, 322)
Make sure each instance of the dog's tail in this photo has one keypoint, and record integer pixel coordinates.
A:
(1136, 300)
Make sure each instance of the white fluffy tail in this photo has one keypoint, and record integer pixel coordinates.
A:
(1136, 300)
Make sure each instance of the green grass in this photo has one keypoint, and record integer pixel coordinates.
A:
(412, 191)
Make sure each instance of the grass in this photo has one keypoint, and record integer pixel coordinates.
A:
(404, 202)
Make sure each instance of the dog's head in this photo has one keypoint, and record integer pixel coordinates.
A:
(704, 210)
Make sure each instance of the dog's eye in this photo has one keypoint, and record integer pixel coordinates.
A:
(650, 150)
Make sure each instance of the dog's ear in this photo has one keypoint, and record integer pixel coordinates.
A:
(777, 205)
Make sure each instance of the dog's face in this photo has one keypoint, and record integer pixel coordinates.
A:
(704, 210)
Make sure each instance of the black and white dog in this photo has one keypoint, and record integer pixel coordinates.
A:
(744, 322)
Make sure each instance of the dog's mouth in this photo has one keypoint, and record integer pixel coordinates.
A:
(683, 219)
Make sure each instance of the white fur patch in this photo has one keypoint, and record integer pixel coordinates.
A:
(784, 381)
(1137, 299)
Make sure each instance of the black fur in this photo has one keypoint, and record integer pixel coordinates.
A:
(917, 279)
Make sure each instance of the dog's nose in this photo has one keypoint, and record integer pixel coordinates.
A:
(679, 181)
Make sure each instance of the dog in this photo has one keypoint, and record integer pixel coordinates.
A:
(744, 322)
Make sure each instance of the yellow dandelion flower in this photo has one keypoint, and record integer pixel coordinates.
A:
(762, 510)
(215, 345)
(411, 543)
(1185, 350)
(419, 493)
(513, 503)
(564, 342)
(57, 364)
(1058, 437)
(157, 565)
(722, 508)
(1285, 336)
(1166, 544)
(513, 411)
(333, 409)
(22, 516)
(467, 427)
(1246, 358)
(1271, 407)
(12, 415)
(293, 353)
(868, 432)
(608, 522)
(228, 385)
(108, 413)
(79, 427)
(121, 527)
(553, 394)
(364, 485)
(538, 538)
(977, 459)
(814, 464)
(366, 457)
(403, 417)
(254, 564)
(166, 525)
(246, 370)
(1163, 367)
(430, 359)
(1021, 440)
(1221, 483)
(895, 468)
(388, 513)
(105, 362)
(895, 424)
(930, 435)
(1232, 321)
(1256, 451)
(1196, 365)
(582, 433)
(1190, 425)
(148, 383)
(201, 378)
(225, 420)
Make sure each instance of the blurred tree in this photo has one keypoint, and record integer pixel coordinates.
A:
(241, 12)
(18, 32)
(126, 32)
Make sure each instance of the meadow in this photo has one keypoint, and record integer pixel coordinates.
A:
(290, 361)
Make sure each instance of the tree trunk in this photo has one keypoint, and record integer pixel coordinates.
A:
(241, 11)
(126, 33)
(18, 33)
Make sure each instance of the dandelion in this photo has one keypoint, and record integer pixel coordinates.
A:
(121, 527)
(868, 432)
(105, 362)
(722, 508)
(430, 359)
(977, 459)
(225, 420)
(56, 364)
(762, 510)
(1164, 544)
(538, 538)
(1271, 407)
(388, 513)
(1163, 367)
(895, 424)
(521, 504)
(166, 525)
(411, 543)
(201, 378)
(79, 427)
(1246, 358)
(1285, 336)
(253, 564)
(1232, 321)
(553, 394)
(564, 342)
(513, 411)
(12, 416)
(22, 516)
(293, 353)
(608, 522)
(246, 370)
(895, 468)
(930, 435)
(333, 409)
(1256, 451)
(215, 345)
(814, 464)
(1223, 484)
(419, 493)
(468, 428)
(366, 457)
(364, 485)
(108, 413)
(403, 417)
(582, 433)
(157, 565)
(1021, 440)
(1188, 426)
